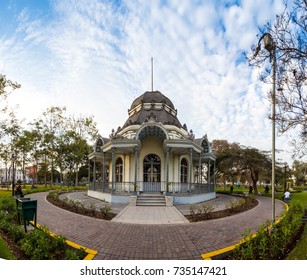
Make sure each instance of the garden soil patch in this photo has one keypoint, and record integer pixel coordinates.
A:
(250, 203)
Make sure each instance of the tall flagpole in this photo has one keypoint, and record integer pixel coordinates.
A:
(151, 74)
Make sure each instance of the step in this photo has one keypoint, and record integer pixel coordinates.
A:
(150, 200)
(149, 204)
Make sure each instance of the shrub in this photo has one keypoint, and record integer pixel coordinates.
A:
(207, 209)
(15, 231)
(54, 195)
(272, 243)
(39, 245)
(8, 210)
(75, 254)
(235, 204)
(92, 208)
(105, 210)
(196, 212)
(75, 204)
(8, 205)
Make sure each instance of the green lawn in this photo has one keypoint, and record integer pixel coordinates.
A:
(301, 197)
(5, 193)
(300, 251)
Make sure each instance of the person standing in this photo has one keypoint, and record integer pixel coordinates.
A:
(287, 195)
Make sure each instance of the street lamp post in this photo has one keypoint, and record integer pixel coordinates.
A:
(270, 46)
(285, 183)
(13, 175)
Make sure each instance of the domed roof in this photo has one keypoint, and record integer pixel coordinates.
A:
(152, 97)
(152, 106)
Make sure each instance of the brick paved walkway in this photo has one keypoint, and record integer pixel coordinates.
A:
(133, 241)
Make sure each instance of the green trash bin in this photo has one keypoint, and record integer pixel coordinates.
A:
(27, 211)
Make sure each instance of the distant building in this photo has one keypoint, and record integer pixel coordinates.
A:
(7, 176)
(153, 153)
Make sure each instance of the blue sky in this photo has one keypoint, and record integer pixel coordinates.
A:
(94, 57)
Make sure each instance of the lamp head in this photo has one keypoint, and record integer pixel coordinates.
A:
(268, 42)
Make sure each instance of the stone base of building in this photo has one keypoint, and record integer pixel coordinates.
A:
(112, 198)
(133, 199)
(194, 198)
(169, 200)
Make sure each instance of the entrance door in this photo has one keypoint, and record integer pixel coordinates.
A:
(152, 173)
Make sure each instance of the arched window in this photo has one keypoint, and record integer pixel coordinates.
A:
(184, 171)
(119, 170)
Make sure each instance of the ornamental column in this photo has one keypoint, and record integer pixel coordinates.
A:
(136, 163)
(191, 167)
(103, 172)
(94, 174)
(113, 169)
(209, 179)
(89, 174)
(199, 169)
(213, 176)
(167, 165)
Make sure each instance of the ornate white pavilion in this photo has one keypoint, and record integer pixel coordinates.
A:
(152, 153)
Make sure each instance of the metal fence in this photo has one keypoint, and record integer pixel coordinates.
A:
(173, 188)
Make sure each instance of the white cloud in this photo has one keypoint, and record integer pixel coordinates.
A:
(94, 57)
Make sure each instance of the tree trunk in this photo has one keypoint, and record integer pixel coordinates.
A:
(24, 173)
(6, 175)
(36, 174)
(254, 176)
(51, 172)
(76, 179)
(45, 172)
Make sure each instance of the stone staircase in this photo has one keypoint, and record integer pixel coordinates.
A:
(150, 200)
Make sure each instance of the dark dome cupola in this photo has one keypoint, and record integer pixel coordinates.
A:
(152, 105)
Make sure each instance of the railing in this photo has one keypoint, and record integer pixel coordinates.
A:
(190, 188)
(119, 187)
(173, 188)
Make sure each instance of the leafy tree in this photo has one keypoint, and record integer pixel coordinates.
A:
(52, 122)
(84, 126)
(256, 162)
(22, 148)
(237, 160)
(6, 87)
(11, 129)
(300, 172)
(35, 137)
(289, 33)
(223, 150)
(75, 147)
(5, 156)
(84, 131)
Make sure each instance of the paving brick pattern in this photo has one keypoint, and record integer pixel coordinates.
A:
(119, 241)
